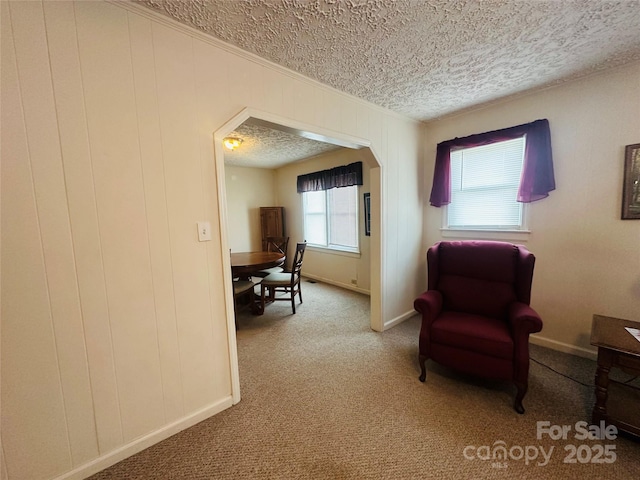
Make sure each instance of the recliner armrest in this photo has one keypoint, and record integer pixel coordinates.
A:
(523, 319)
(429, 304)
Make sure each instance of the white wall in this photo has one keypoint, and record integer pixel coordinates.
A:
(114, 320)
(248, 189)
(587, 258)
(337, 268)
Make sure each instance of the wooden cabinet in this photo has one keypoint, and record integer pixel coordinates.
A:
(271, 223)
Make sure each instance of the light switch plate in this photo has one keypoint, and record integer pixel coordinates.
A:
(204, 231)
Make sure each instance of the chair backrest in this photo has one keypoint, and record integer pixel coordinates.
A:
(277, 244)
(296, 266)
(481, 277)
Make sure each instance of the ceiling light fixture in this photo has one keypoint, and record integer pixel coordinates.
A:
(232, 142)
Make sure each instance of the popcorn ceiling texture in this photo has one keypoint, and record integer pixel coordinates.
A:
(425, 58)
(264, 147)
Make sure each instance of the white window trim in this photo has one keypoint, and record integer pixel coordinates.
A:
(339, 250)
(520, 234)
(334, 251)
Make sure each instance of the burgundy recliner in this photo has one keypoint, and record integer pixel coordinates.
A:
(476, 316)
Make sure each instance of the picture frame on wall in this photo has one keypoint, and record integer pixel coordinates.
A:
(631, 185)
(367, 214)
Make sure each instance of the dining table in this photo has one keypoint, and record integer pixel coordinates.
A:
(246, 264)
(243, 264)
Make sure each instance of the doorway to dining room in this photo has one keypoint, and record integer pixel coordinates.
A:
(265, 131)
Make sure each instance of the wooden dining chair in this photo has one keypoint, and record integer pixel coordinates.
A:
(285, 282)
(278, 245)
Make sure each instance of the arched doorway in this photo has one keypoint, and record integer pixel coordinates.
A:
(314, 133)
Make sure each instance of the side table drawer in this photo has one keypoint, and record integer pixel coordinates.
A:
(628, 362)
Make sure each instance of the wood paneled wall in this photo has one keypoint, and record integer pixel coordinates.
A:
(114, 330)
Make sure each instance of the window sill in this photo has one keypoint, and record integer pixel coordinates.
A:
(333, 251)
(482, 234)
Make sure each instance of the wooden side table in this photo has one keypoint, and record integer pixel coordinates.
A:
(617, 403)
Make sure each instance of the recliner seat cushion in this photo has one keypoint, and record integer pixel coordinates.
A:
(484, 335)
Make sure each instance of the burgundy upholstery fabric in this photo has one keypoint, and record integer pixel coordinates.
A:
(476, 316)
(473, 295)
(486, 260)
(472, 363)
(479, 334)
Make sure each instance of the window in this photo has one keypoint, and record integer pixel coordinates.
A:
(484, 186)
(331, 218)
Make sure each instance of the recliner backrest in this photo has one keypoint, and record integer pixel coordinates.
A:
(479, 277)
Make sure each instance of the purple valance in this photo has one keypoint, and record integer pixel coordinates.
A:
(537, 178)
(343, 176)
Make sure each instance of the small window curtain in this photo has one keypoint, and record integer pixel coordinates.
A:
(537, 178)
(344, 176)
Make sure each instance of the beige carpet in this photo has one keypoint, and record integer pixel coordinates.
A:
(325, 397)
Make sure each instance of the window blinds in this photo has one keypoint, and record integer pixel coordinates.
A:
(484, 186)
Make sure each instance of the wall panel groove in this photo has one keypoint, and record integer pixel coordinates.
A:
(173, 66)
(84, 216)
(109, 94)
(152, 157)
(28, 422)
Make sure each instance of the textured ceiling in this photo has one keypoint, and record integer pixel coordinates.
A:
(420, 58)
(265, 147)
(425, 58)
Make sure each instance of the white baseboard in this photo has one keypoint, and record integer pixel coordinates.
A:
(563, 347)
(346, 286)
(139, 444)
(399, 319)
